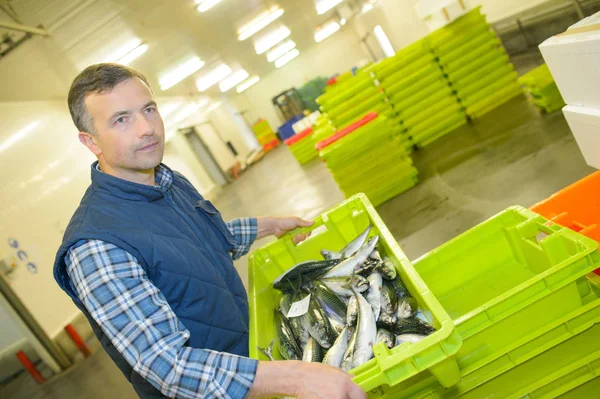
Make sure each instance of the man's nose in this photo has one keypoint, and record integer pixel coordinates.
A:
(143, 126)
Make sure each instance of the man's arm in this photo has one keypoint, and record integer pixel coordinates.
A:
(141, 325)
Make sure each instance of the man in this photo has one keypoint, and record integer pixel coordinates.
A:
(149, 261)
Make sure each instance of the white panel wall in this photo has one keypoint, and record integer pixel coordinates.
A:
(336, 54)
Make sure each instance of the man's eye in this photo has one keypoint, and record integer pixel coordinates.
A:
(150, 110)
(120, 120)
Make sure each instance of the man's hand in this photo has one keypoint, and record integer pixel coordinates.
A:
(303, 381)
(278, 226)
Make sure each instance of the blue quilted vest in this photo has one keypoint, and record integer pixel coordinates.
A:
(184, 247)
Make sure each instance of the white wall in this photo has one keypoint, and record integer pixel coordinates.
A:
(336, 54)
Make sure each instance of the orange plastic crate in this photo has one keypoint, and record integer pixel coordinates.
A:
(576, 207)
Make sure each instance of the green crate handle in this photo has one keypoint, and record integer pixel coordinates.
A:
(317, 223)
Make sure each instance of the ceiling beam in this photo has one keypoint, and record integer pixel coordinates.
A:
(24, 28)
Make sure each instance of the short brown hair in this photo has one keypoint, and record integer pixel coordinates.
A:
(96, 79)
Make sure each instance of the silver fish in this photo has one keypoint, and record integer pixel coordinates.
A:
(305, 271)
(387, 337)
(268, 351)
(333, 305)
(337, 325)
(374, 293)
(312, 352)
(406, 308)
(352, 311)
(335, 354)
(299, 324)
(413, 338)
(354, 245)
(375, 255)
(363, 338)
(387, 269)
(387, 321)
(327, 254)
(389, 302)
(412, 325)
(286, 343)
(348, 266)
(342, 286)
(320, 327)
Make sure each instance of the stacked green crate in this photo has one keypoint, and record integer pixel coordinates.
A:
(370, 159)
(347, 101)
(302, 146)
(264, 134)
(542, 90)
(425, 104)
(475, 63)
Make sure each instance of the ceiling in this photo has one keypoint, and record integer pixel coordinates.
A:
(86, 31)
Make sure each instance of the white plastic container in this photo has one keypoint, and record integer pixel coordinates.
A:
(439, 13)
(585, 125)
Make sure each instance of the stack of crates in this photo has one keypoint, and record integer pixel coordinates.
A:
(369, 157)
(518, 290)
(348, 100)
(424, 103)
(265, 135)
(302, 146)
(542, 90)
(475, 63)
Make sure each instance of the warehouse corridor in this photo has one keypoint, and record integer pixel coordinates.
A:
(513, 156)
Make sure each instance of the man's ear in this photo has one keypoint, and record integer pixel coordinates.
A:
(91, 142)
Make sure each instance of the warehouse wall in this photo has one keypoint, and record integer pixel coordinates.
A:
(336, 54)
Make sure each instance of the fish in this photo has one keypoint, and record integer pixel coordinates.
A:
(335, 354)
(327, 254)
(367, 266)
(387, 269)
(329, 300)
(338, 325)
(389, 301)
(319, 326)
(343, 287)
(352, 311)
(363, 338)
(268, 351)
(286, 343)
(413, 338)
(299, 324)
(412, 325)
(374, 293)
(400, 287)
(313, 353)
(375, 255)
(353, 246)
(348, 266)
(387, 337)
(305, 271)
(406, 308)
(387, 321)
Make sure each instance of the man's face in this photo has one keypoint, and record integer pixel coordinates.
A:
(130, 132)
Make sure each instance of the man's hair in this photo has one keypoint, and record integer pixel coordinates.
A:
(96, 79)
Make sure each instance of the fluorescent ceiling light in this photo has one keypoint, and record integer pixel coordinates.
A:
(247, 84)
(325, 5)
(287, 58)
(259, 23)
(128, 59)
(213, 77)
(384, 42)
(20, 135)
(272, 39)
(280, 50)
(123, 51)
(205, 5)
(366, 8)
(343, 21)
(213, 107)
(181, 72)
(326, 30)
(233, 80)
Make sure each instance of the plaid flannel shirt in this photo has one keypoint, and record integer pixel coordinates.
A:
(136, 317)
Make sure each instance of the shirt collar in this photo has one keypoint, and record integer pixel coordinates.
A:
(163, 176)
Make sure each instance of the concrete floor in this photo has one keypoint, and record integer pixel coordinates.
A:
(512, 156)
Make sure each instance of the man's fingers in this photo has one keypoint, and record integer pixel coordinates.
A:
(304, 223)
(356, 392)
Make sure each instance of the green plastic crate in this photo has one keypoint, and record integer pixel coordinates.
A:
(484, 39)
(472, 56)
(482, 107)
(588, 389)
(493, 57)
(498, 282)
(545, 363)
(404, 103)
(386, 193)
(357, 100)
(341, 224)
(462, 24)
(425, 136)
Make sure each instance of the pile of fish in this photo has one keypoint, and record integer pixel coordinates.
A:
(356, 300)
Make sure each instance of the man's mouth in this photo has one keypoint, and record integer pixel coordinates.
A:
(149, 147)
